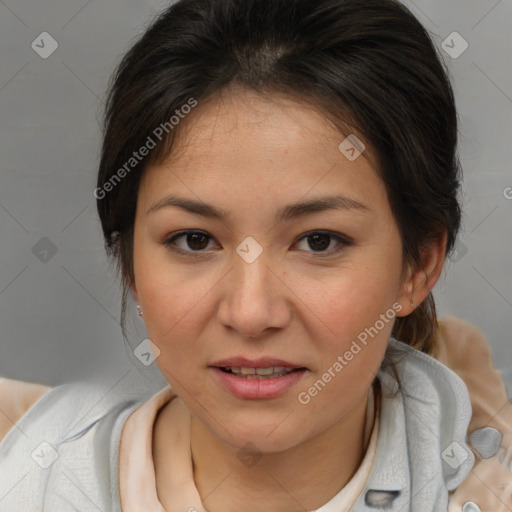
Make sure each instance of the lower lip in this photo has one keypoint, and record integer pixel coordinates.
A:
(257, 388)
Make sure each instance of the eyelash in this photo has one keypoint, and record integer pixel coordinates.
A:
(342, 240)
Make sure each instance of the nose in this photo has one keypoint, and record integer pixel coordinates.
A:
(254, 298)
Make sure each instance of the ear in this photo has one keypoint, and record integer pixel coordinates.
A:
(420, 281)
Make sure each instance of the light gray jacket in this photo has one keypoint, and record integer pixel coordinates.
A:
(63, 454)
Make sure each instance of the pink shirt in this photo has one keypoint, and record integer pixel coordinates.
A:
(137, 480)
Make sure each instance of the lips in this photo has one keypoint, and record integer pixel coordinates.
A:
(262, 368)
(257, 387)
(262, 378)
(262, 362)
(258, 373)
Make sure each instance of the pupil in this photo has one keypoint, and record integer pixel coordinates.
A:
(316, 238)
(192, 240)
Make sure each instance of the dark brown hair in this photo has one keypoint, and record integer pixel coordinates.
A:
(367, 64)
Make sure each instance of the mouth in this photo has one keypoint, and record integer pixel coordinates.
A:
(248, 373)
(258, 381)
(255, 379)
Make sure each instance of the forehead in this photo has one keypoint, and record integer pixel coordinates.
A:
(240, 141)
(284, 121)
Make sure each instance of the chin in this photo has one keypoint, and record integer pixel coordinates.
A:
(262, 437)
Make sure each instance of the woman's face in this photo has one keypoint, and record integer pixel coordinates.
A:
(258, 283)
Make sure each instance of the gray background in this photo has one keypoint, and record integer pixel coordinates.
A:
(59, 310)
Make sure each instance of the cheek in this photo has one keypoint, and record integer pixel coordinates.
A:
(360, 319)
(356, 313)
(349, 298)
(169, 290)
(174, 308)
(173, 296)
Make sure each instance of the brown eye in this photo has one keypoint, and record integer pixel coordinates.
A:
(191, 241)
(319, 241)
(196, 240)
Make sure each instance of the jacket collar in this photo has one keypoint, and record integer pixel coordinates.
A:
(421, 450)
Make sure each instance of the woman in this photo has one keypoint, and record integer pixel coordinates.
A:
(278, 186)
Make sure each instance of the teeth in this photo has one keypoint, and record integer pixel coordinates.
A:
(256, 373)
(266, 371)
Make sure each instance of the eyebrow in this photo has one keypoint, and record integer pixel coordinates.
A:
(290, 211)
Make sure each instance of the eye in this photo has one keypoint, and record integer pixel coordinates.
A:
(195, 240)
(321, 240)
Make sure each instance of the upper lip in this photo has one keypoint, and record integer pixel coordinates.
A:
(262, 362)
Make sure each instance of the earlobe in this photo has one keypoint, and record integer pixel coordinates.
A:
(420, 280)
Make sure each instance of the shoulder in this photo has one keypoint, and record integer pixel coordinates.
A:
(424, 409)
(16, 398)
(67, 408)
(461, 344)
(434, 405)
(466, 351)
(73, 428)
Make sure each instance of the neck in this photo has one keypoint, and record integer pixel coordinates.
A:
(304, 477)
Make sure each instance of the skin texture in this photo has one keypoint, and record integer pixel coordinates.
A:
(250, 155)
